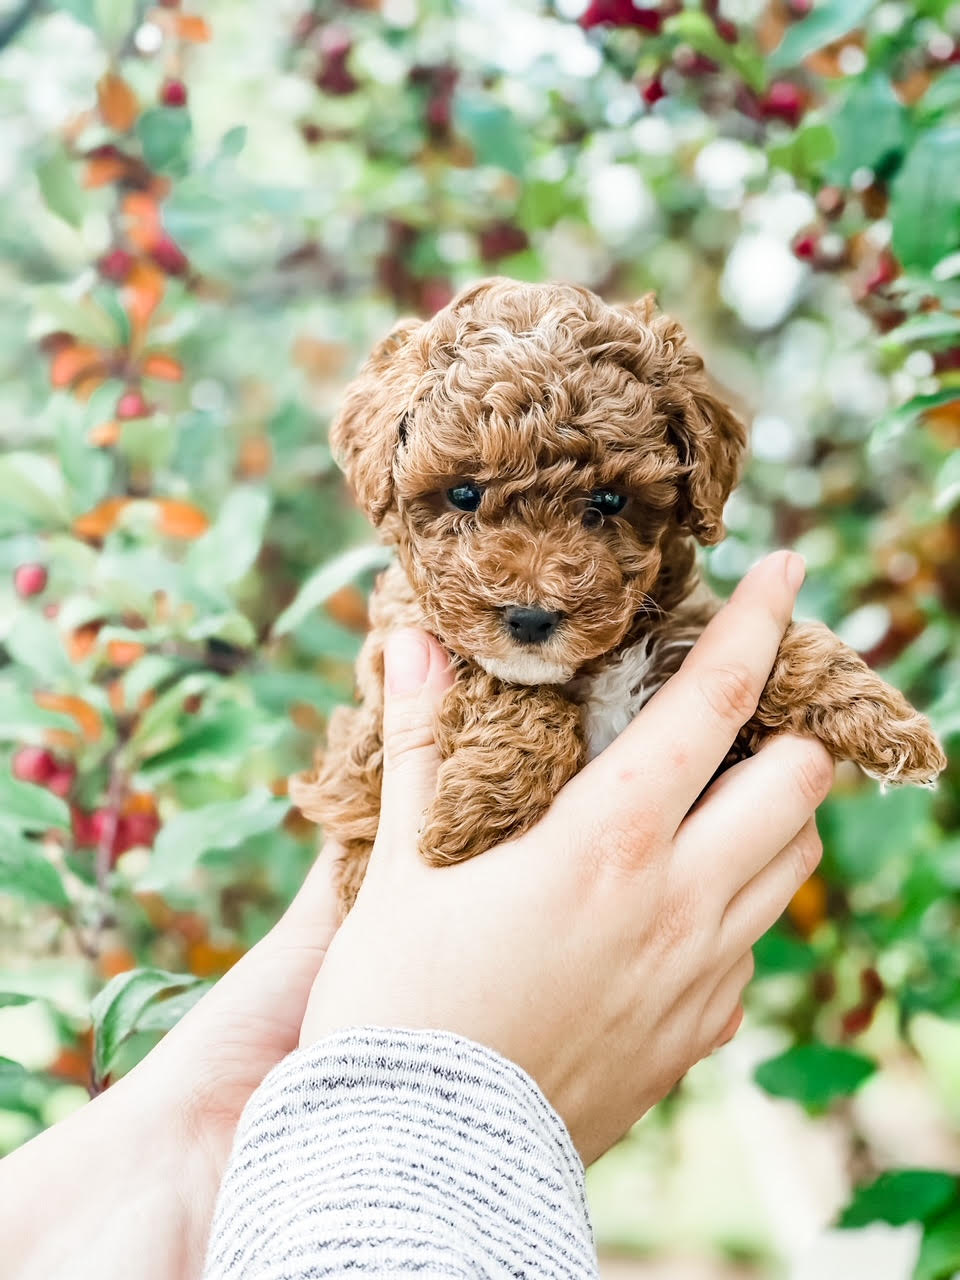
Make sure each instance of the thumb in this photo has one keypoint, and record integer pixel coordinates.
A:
(416, 676)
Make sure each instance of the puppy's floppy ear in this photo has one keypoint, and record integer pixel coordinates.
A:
(710, 440)
(368, 429)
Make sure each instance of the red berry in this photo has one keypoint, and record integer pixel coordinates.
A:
(132, 405)
(621, 13)
(116, 265)
(169, 257)
(500, 239)
(726, 30)
(439, 113)
(34, 764)
(61, 780)
(857, 1020)
(799, 8)
(653, 91)
(872, 985)
(783, 101)
(29, 580)
(173, 93)
(690, 63)
(805, 245)
(137, 829)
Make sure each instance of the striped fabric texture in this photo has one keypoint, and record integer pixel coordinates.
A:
(397, 1152)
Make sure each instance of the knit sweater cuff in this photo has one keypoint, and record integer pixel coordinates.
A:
(393, 1151)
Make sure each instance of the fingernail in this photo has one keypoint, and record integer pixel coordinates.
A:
(406, 660)
(795, 571)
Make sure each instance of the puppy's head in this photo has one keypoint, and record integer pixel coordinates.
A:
(541, 459)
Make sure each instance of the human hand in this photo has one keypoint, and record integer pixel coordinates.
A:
(607, 949)
(127, 1184)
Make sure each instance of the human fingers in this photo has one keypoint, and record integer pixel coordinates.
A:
(724, 1010)
(675, 745)
(417, 674)
(753, 811)
(761, 902)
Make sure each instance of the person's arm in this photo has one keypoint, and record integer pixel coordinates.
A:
(400, 1153)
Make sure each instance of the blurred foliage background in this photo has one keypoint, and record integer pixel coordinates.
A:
(209, 212)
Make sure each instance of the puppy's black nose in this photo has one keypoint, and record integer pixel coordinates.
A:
(530, 626)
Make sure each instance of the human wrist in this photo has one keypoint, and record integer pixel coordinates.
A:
(120, 1160)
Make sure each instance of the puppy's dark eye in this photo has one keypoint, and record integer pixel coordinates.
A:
(605, 502)
(466, 497)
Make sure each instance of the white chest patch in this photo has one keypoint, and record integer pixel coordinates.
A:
(611, 698)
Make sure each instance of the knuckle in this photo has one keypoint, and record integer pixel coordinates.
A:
(814, 773)
(808, 851)
(731, 693)
(406, 738)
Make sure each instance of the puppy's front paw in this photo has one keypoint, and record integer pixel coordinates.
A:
(887, 738)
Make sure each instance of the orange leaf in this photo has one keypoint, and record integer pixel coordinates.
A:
(123, 652)
(87, 717)
(118, 103)
(115, 960)
(348, 606)
(98, 522)
(193, 28)
(104, 435)
(144, 227)
(208, 959)
(808, 906)
(81, 642)
(254, 457)
(140, 802)
(162, 366)
(179, 519)
(143, 290)
(71, 1064)
(103, 169)
(72, 362)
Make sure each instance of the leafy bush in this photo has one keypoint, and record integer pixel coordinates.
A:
(207, 217)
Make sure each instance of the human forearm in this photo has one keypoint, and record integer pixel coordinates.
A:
(400, 1151)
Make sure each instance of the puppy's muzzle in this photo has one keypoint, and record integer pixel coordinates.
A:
(529, 626)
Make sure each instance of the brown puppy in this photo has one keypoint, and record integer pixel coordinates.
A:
(544, 464)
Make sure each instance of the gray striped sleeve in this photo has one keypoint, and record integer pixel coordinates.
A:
(392, 1152)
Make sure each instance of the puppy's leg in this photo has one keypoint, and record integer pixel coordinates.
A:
(820, 687)
(507, 752)
(342, 792)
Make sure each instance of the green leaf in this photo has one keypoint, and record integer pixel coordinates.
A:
(231, 545)
(115, 20)
(828, 22)
(233, 141)
(59, 187)
(943, 94)
(870, 127)
(807, 150)
(213, 744)
(30, 807)
(165, 134)
(87, 470)
(940, 1249)
(20, 717)
(191, 834)
(320, 586)
(11, 999)
(927, 327)
(925, 199)
(34, 641)
(26, 871)
(946, 487)
(32, 488)
(697, 30)
(118, 1009)
(900, 1196)
(777, 953)
(893, 424)
(814, 1074)
(82, 318)
(492, 132)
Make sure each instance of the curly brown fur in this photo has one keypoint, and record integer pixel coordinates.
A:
(541, 396)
